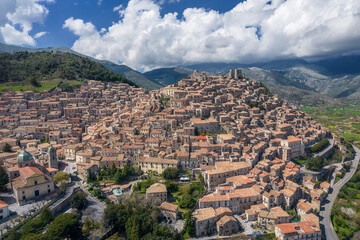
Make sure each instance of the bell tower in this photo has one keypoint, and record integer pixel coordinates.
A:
(52, 158)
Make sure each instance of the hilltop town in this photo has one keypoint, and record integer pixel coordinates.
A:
(226, 131)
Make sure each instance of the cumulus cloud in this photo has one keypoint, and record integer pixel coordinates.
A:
(254, 30)
(17, 18)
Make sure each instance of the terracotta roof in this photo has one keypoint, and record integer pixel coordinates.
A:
(204, 214)
(305, 227)
(3, 204)
(156, 187)
(27, 172)
(225, 219)
(169, 206)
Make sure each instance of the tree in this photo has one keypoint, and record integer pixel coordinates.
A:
(171, 186)
(34, 82)
(315, 163)
(320, 145)
(66, 225)
(201, 178)
(171, 173)
(187, 201)
(118, 176)
(7, 148)
(61, 177)
(91, 177)
(4, 178)
(78, 200)
(46, 215)
(113, 169)
(189, 225)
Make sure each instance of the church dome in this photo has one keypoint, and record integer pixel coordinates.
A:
(24, 156)
(51, 148)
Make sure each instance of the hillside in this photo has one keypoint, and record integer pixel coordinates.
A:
(129, 73)
(167, 76)
(24, 66)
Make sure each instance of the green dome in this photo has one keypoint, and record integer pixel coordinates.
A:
(24, 156)
(51, 148)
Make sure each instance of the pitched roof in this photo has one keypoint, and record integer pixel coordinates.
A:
(169, 206)
(3, 204)
(27, 172)
(156, 187)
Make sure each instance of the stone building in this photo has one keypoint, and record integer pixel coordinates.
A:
(157, 192)
(29, 180)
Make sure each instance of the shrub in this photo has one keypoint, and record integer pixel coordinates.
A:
(171, 173)
(320, 145)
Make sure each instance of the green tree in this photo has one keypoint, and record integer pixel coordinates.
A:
(36, 225)
(34, 82)
(66, 225)
(61, 177)
(201, 178)
(113, 169)
(91, 177)
(315, 163)
(46, 215)
(187, 201)
(7, 148)
(4, 178)
(189, 225)
(171, 173)
(171, 186)
(78, 200)
(118, 176)
(320, 145)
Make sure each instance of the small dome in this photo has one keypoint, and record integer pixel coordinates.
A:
(24, 156)
(51, 148)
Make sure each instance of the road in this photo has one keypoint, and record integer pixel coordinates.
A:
(94, 209)
(248, 230)
(325, 221)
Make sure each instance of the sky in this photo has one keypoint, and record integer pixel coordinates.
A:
(148, 34)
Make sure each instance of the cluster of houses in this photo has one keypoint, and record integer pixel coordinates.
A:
(228, 128)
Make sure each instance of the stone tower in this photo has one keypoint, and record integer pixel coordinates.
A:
(52, 157)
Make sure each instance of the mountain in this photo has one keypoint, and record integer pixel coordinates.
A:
(24, 67)
(167, 76)
(123, 70)
(131, 74)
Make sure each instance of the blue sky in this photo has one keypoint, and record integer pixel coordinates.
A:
(146, 34)
(101, 14)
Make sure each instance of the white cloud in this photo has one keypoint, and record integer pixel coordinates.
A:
(13, 36)
(17, 18)
(117, 8)
(254, 30)
(40, 34)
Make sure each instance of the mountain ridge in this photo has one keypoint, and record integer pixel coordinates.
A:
(121, 69)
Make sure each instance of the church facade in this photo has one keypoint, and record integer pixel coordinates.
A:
(30, 180)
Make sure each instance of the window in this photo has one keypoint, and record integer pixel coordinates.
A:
(35, 183)
(24, 197)
(1, 210)
(48, 190)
